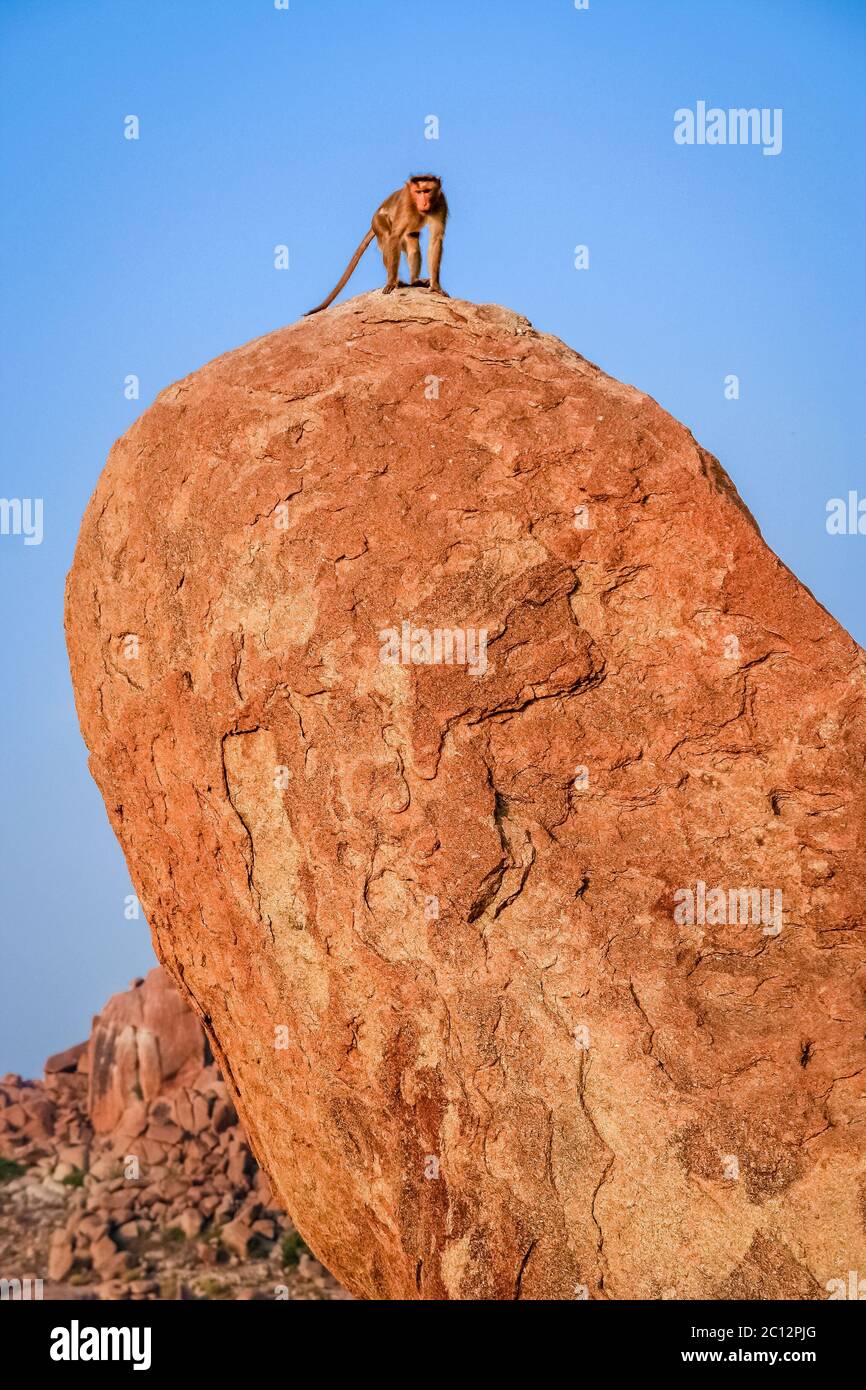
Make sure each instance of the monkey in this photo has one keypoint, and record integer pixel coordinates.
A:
(397, 227)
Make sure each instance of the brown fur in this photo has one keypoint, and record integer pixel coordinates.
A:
(397, 227)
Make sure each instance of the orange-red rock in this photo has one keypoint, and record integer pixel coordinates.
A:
(435, 917)
(67, 1060)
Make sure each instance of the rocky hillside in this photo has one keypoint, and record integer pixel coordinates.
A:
(125, 1173)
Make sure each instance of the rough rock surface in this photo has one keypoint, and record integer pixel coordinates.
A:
(149, 1210)
(435, 920)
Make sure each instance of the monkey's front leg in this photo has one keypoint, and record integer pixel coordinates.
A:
(412, 247)
(391, 257)
(413, 255)
(434, 256)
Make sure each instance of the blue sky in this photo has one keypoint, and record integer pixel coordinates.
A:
(261, 127)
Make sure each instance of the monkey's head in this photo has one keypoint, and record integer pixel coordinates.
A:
(425, 190)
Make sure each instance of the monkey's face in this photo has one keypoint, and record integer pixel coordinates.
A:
(425, 195)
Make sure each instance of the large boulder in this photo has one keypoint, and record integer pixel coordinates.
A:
(496, 798)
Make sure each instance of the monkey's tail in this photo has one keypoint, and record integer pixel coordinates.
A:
(346, 275)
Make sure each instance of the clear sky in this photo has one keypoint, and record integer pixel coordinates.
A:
(261, 127)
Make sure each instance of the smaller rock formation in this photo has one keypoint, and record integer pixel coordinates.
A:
(145, 1041)
(152, 1191)
(66, 1061)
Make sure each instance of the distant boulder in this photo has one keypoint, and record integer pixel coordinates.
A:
(144, 1041)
